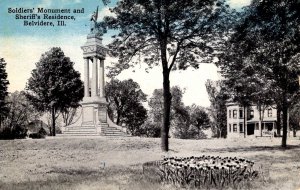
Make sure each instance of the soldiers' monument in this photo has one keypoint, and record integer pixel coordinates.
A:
(93, 119)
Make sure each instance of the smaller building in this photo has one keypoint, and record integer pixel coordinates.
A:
(235, 121)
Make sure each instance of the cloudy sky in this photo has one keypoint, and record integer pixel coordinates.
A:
(22, 46)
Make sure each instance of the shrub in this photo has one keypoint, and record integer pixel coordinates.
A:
(6, 133)
(36, 136)
(201, 172)
(150, 129)
(39, 135)
(18, 132)
(42, 131)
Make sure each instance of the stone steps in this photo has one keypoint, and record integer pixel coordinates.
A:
(90, 130)
(78, 134)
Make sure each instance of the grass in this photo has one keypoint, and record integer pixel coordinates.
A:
(106, 163)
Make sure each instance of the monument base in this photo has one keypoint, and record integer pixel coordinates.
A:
(94, 111)
(94, 121)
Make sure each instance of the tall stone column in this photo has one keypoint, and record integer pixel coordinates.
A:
(95, 78)
(86, 78)
(102, 78)
(94, 106)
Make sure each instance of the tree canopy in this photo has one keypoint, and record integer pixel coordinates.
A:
(174, 34)
(54, 85)
(218, 94)
(265, 46)
(156, 103)
(125, 106)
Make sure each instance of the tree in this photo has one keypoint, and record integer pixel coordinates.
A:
(156, 104)
(294, 117)
(54, 85)
(189, 122)
(182, 123)
(268, 40)
(180, 116)
(3, 90)
(199, 118)
(176, 34)
(68, 115)
(125, 107)
(134, 117)
(150, 129)
(218, 96)
(20, 113)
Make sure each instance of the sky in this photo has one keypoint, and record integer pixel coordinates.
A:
(22, 46)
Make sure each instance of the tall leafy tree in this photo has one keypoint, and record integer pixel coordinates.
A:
(199, 119)
(54, 85)
(3, 90)
(189, 122)
(181, 123)
(240, 86)
(185, 121)
(268, 39)
(218, 95)
(125, 100)
(173, 34)
(156, 104)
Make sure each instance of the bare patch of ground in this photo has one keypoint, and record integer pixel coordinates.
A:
(108, 163)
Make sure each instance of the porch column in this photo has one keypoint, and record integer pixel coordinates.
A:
(246, 126)
(86, 78)
(260, 128)
(288, 122)
(95, 78)
(102, 78)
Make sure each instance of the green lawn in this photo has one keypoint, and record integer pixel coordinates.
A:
(106, 163)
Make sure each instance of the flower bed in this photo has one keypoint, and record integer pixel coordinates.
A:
(203, 171)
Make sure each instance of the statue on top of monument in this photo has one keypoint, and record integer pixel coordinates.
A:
(97, 27)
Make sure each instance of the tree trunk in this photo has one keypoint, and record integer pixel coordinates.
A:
(284, 127)
(278, 122)
(166, 93)
(260, 120)
(53, 121)
(167, 110)
(245, 128)
(118, 117)
(294, 132)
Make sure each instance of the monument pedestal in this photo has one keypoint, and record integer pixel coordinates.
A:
(94, 111)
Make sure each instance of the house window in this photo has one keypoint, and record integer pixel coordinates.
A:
(270, 112)
(251, 114)
(241, 128)
(234, 128)
(234, 114)
(229, 114)
(241, 114)
(229, 127)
